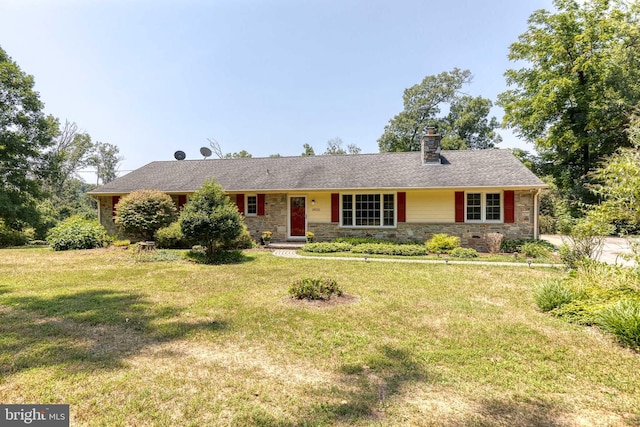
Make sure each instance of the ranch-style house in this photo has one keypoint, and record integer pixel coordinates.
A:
(406, 196)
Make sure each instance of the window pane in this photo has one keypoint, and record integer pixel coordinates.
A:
(389, 216)
(474, 208)
(367, 210)
(347, 209)
(493, 207)
(252, 205)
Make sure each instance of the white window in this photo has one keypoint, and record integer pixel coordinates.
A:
(252, 206)
(368, 210)
(483, 207)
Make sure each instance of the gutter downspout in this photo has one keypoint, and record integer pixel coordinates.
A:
(536, 232)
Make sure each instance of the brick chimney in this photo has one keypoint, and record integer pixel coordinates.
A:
(430, 145)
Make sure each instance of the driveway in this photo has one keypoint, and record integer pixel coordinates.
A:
(612, 251)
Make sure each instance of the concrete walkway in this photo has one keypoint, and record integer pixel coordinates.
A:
(613, 249)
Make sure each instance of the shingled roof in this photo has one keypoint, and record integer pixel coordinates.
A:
(459, 169)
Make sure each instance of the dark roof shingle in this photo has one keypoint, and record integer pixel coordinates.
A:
(459, 169)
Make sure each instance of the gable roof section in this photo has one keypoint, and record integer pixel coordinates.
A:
(459, 169)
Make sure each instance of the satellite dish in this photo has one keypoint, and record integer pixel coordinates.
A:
(179, 155)
(205, 152)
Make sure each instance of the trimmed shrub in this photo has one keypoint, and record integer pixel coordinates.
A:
(389, 249)
(362, 240)
(515, 245)
(122, 243)
(534, 250)
(317, 288)
(464, 253)
(210, 219)
(78, 233)
(552, 294)
(623, 320)
(325, 247)
(171, 237)
(442, 243)
(144, 212)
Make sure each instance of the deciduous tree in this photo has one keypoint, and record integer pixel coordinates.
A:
(25, 132)
(577, 80)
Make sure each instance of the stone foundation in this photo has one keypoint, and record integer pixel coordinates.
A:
(471, 235)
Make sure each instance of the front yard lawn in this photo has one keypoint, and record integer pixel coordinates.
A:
(176, 343)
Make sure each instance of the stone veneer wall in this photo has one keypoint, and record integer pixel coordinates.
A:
(472, 235)
(105, 207)
(274, 218)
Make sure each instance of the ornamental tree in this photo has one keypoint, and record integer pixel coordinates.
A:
(210, 219)
(143, 212)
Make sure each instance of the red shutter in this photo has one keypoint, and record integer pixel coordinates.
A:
(260, 204)
(182, 200)
(335, 207)
(459, 206)
(114, 202)
(509, 206)
(240, 203)
(402, 207)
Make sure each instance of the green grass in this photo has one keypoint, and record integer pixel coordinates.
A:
(176, 343)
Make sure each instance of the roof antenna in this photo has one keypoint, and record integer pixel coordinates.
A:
(179, 155)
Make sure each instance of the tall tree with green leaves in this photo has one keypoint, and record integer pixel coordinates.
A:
(422, 103)
(577, 81)
(468, 125)
(106, 159)
(25, 133)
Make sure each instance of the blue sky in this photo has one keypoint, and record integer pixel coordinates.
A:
(153, 77)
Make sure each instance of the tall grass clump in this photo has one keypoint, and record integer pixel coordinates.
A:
(622, 320)
(552, 294)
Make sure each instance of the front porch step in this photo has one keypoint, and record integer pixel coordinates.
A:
(285, 245)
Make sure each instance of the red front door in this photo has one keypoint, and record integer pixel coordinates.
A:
(297, 216)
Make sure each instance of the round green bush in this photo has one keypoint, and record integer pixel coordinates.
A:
(77, 233)
(143, 212)
(534, 250)
(314, 288)
(464, 253)
(442, 243)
